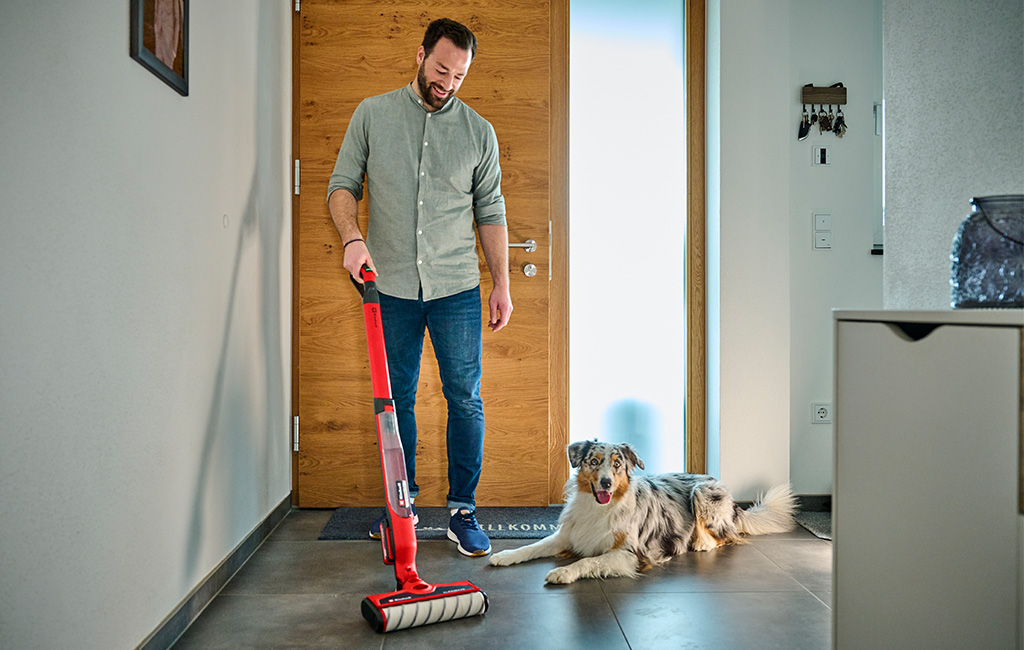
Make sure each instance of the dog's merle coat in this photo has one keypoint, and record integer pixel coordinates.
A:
(620, 524)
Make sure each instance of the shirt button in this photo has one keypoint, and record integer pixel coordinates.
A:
(421, 202)
(419, 261)
(425, 143)
(423, 173)
(419, 232)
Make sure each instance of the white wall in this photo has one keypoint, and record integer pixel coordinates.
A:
(770, 311)
(144, 313)
(830, 41)
(954, 88)
(753, 226)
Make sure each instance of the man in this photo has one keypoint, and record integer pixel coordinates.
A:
(431, 166)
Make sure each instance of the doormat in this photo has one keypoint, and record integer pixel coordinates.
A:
(819, 523)
(497, 522)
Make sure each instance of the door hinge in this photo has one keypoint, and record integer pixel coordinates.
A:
(297, 4)
(296, 176)
(295, 434)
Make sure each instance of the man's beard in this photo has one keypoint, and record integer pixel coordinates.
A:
(428, 95)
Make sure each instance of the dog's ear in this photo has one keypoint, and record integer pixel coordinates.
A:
(631, 457)
(578, 451)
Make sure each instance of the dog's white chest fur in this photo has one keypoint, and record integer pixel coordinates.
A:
(592, 528)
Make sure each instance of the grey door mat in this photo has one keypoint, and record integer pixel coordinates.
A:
(497, 522)
(819, 523)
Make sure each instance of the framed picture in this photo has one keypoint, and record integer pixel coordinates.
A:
(159, 39)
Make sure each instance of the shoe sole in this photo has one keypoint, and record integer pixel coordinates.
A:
(415, 521)
(455, 538)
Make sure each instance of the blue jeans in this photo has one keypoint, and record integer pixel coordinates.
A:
(455, 327)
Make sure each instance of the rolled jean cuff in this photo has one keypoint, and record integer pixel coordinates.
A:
(459, 505)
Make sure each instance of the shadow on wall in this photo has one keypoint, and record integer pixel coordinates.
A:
(639, 424)
(247, 410)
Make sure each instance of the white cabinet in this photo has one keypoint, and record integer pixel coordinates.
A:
(926, 503)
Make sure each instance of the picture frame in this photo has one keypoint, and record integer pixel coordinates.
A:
(159, 39)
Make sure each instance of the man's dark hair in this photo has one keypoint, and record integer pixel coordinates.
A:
(455, 32)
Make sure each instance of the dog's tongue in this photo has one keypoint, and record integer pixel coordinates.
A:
(603, 497)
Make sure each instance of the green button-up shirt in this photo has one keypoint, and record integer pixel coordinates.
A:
(429, 176)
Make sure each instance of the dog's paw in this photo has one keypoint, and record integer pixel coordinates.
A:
(702, 544)
(563, 575)
(503, 558)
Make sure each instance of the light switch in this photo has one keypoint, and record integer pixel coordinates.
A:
(822, 241)
(822, 221)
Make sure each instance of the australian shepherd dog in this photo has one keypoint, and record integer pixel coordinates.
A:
(621, 525)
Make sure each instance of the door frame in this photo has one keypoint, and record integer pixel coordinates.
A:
(695, 27)
(558, 311)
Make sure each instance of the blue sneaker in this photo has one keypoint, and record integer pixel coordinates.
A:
(375, 528)
(464, 530)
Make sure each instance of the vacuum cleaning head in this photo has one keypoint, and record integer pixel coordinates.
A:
(399, 610)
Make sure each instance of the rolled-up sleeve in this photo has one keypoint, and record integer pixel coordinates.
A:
(351, 164)
(488, 202)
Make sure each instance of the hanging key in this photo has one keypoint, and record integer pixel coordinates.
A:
(839, 127)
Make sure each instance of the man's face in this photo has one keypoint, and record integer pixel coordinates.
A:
(441, 73)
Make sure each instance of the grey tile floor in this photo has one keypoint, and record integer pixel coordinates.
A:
(297, 592)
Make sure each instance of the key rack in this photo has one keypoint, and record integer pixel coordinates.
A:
(835, 95)
(834, 122)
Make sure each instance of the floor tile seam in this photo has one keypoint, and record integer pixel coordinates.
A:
(785, 570)
(799, 588)
(527, 593)
(828, 606)
(791, 540)
(615, 615)
(276, 594)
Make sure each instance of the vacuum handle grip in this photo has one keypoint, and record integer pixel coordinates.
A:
(369, 282)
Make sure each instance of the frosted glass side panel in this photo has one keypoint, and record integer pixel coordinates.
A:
(627, 227)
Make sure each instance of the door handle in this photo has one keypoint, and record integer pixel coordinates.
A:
(529, 245)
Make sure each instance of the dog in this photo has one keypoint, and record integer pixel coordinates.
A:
(622, 525)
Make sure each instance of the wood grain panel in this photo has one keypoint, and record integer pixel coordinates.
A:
(558, 313)
(696, 264)
(351, 50)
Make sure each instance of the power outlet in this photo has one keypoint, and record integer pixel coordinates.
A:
(821, 412)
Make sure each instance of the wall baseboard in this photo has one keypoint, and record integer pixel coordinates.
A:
(815, 502)
(172, 627)
(804, 503)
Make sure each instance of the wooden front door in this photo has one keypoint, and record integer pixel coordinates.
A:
(346, 51)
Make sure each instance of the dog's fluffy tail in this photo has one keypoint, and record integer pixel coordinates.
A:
(771, 513)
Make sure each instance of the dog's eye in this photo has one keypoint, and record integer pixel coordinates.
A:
(617, 464)
(595, 462)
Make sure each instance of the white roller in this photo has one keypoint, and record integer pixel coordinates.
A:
(426, 612)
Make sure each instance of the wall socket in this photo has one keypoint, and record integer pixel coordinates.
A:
(821, 412)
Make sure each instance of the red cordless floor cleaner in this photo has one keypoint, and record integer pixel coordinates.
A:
(415, 602)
